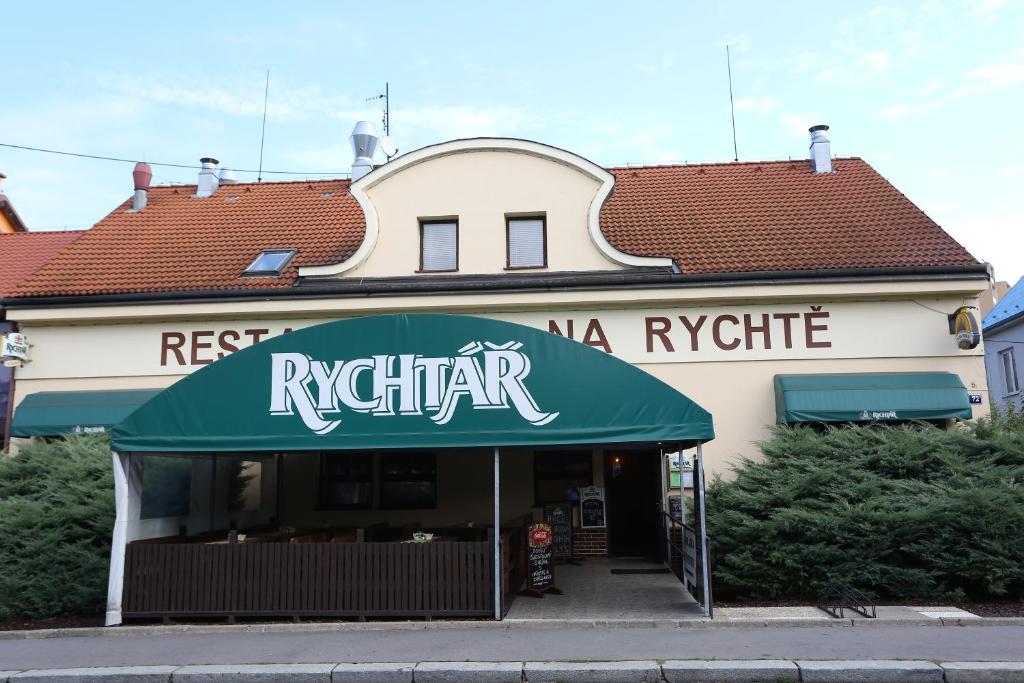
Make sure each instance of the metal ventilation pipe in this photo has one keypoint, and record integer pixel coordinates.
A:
(142, 175)
(208, 180)
(821, 149)
(364, 145)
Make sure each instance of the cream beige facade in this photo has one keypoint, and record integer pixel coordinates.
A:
(720, 345)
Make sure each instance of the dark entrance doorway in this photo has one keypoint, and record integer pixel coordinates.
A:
(633, 484)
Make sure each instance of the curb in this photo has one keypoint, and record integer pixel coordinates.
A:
(509, 624)
(644, 671)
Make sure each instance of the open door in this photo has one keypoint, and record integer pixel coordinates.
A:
(633, 499)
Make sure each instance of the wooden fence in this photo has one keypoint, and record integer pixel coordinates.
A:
(437, 579)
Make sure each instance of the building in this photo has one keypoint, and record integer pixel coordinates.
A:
(21, 254)
(1004, 344)
(791, 291)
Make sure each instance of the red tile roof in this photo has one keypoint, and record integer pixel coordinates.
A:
(22, 253)
(179, 242)
(772, 216)
(714, 218)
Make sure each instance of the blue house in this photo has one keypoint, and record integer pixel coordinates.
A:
(1003, 331)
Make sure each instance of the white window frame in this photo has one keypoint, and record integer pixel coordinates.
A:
(1011, 384)
(424, 223)
(509, 220)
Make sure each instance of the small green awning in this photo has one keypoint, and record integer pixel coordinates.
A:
(52, 413)
(870, 397)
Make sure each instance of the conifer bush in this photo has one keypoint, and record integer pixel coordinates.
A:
(56, 517)
(909, 511)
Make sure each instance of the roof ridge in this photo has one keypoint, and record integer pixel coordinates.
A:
(254, 182)
(697, 164)
(45, 232)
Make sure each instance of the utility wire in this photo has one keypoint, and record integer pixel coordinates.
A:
(166, 164)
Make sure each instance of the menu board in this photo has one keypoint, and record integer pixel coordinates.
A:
(559, 516)
(541, 571)
(592, 507)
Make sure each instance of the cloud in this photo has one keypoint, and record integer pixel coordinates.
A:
(931, 88)
(992, 77)
(737, 42)
(666, 61)
(987, 9)
(796, 125)
(903, 110)
(939, 173)
(759, 104)
(875, 60)
(1014, 171)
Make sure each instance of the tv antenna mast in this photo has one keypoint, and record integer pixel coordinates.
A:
(732, 105)
(387, 145)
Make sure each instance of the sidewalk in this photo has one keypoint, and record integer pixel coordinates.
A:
(638, 671)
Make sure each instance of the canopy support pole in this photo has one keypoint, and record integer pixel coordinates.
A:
(497, 534)
(128, 506)
(701, 510)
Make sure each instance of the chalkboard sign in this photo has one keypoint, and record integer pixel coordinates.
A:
(592, 507)
(541, 572)
(559, 516)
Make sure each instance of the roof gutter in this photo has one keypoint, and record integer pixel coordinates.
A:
(454, 284)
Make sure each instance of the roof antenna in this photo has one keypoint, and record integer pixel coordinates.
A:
(732, 106)
(386, 144)
(263, 132)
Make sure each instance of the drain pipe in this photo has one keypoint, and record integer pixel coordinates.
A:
(702, 510)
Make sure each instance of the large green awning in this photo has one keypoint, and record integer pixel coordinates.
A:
(413, 381)
(52, 413)
(870, 397)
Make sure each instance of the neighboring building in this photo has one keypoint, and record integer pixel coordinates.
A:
(1003, 330)
(793, 291)
(10, 221)
(21, 254)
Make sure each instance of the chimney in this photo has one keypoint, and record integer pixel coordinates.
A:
(142, 175)
(821, 149)
(226, 177)
(2, 177)
(208, 181)
(364, 144)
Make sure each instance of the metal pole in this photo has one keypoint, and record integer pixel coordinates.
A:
(705, 560)
(497, 534)
(665, 507)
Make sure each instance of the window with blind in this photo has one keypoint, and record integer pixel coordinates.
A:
(527, 246)
(439, 246)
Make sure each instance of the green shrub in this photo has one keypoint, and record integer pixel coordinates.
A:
(899, 512)
(56, 517)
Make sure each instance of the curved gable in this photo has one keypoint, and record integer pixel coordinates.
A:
(482, 182)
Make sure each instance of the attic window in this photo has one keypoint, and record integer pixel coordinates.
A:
(270, 262)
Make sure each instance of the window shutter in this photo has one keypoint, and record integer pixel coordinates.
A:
(525, 242)
(440, 246)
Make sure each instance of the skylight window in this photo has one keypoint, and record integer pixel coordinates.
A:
(270, 262)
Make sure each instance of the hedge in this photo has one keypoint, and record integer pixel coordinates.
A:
(900, 512)
(56, 517)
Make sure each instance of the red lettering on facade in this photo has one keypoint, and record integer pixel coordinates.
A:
(554, 329)
(787, 326)
(693, 329)
(171, 342)
(664, 325)
(764, 329)
(225, 345)
(594, 336)
(716, 332)
(810, 328)
(198, 345)
(257, 334)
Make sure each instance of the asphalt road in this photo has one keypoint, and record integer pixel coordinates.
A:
(974, 643)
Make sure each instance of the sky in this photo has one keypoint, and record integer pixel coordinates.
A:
(930, 93)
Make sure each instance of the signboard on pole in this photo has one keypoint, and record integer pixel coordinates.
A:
(14, 345)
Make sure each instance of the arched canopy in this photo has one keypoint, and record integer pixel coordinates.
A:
(412, 381)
